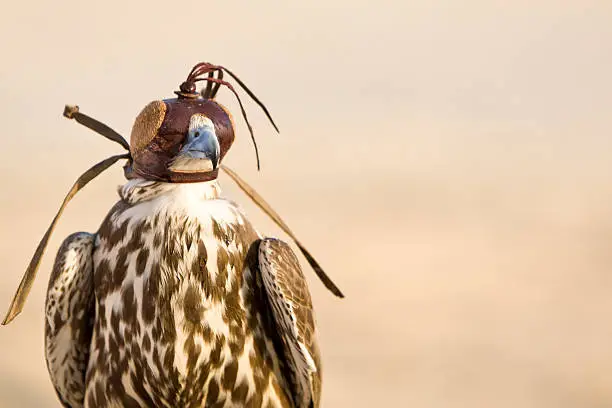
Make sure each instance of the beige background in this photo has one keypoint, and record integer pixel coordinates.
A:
(447, 161)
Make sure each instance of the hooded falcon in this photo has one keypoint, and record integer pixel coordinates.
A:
(177, 300)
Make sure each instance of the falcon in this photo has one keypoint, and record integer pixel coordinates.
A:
(177, 300)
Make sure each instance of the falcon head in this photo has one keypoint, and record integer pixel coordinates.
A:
(184, 139)
(180, 140)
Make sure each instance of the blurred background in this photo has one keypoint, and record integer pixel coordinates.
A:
(447, 162)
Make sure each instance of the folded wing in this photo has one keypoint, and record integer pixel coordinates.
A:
(291, 306)
(69, 315)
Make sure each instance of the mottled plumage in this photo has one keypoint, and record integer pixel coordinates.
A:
(192, 308)
(177, 301)
(69, 317)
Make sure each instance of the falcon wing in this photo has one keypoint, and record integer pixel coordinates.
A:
(289, 299)
(69, 314)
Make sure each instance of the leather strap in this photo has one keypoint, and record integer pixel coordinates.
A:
(170, 176)
(30, 274)
(72, 112)
(265, 207)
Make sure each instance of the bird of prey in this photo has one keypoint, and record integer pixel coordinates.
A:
(177, 300)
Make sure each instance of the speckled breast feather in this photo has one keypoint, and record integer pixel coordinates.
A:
(180, 317)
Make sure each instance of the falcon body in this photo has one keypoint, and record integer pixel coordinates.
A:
(177, 301)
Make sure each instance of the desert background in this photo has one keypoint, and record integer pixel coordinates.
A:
(449, 163)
